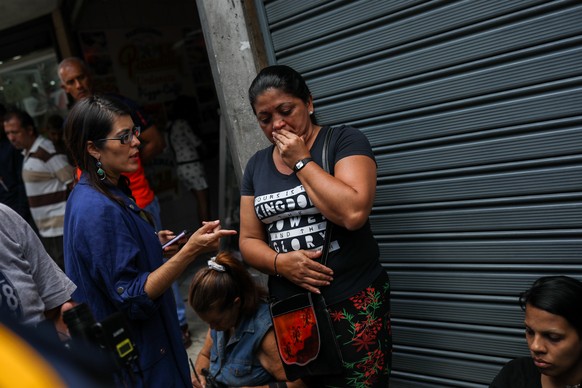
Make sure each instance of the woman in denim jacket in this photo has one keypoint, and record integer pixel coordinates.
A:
(112, 251)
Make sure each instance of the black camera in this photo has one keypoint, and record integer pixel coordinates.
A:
(111, 336)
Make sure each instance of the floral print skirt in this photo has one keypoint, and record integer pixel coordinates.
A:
(362, 326)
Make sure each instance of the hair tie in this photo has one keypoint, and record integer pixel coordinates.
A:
(212, 264)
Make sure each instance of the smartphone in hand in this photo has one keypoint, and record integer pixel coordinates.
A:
(175, 239)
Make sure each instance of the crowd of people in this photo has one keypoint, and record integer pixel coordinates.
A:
(82, 226)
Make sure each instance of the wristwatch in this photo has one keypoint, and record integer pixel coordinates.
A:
(302, 163)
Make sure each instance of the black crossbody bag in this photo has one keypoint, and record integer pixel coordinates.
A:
(303, 327)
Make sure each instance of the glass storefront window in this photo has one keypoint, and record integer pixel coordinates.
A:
(31, 83)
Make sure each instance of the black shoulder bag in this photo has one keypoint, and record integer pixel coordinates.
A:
(303, 328)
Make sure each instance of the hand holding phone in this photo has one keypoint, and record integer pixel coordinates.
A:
(175, 239)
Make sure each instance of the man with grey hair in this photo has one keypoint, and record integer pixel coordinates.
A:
(77, 81)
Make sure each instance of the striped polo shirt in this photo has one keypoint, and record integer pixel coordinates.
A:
(46, 174)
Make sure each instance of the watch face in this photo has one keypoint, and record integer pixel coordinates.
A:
(300, 164)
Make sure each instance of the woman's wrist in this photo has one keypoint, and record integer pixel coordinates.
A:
(191, 250)
(277, 274)
(186, 255)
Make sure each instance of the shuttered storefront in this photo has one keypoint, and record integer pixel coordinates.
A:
(474, 111)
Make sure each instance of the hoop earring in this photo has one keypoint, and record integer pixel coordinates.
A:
(100, 172)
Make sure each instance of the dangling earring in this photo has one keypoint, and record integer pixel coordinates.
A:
(100, 172)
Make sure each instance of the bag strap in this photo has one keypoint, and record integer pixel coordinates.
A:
(325, 150)
(325, 165)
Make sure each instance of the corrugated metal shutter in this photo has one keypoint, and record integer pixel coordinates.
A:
(474, 112)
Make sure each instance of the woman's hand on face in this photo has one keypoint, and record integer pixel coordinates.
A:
(291, 147)
(301, 268)
(207, 237)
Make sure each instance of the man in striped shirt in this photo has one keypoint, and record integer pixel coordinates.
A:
(47, 176)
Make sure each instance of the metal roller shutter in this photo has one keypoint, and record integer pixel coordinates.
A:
(473, 109)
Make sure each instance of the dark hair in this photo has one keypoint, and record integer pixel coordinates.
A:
(283, 78)
(92, 119)
(24, 118)
(215, 290)
(558, 295)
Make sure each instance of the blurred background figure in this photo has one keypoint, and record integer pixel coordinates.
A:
(189, 151)
(54, 131)
(48, 178)
(36, 105)
(553, 330)
(12, 191)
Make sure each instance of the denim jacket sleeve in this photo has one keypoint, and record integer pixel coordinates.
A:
(120, 250)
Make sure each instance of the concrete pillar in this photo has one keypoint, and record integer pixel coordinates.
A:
(234, 66)
(62, 34)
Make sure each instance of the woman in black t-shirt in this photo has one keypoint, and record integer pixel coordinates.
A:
(287, 199)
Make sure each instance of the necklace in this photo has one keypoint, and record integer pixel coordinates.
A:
(574, 386)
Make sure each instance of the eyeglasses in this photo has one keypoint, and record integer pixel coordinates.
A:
(126, 138)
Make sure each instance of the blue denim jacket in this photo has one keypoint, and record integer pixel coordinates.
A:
(109, 252)
(236, 363)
